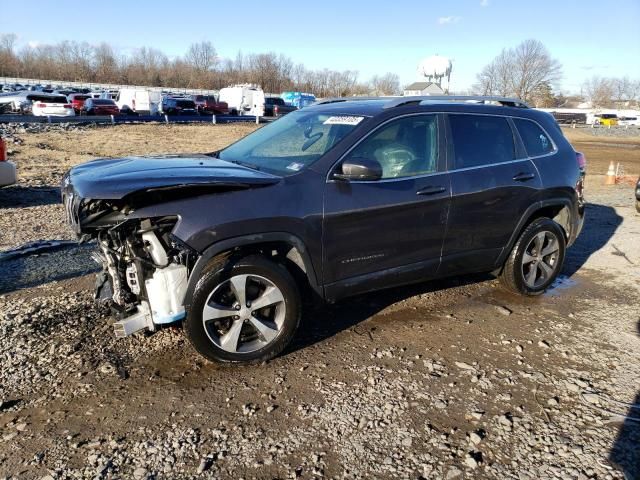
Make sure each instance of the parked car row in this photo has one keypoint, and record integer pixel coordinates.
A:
(242, 99)
(612, 119)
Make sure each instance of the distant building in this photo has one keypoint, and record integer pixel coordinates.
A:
(423, 88)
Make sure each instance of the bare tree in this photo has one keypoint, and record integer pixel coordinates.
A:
(202, 56)
(9, 63)
(387, 84)
(599, 91)
(519, 71)
(105, 63)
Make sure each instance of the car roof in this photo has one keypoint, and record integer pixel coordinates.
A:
(373, 106)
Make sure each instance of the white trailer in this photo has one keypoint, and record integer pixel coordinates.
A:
(243, 99)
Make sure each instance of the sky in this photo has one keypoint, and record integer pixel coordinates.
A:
(589, 37)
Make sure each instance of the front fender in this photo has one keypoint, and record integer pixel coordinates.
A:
(248, 240)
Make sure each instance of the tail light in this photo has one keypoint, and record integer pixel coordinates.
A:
(275, 110)
(3, 150)
(68, 105)
(41, 105)
(581, 160)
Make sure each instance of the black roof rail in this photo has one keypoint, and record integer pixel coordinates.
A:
(417, 100)
(346, 99)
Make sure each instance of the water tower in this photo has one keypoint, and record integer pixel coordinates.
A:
(436, 69)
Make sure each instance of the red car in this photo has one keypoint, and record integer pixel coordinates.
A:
(99, 106)
(210, 104)
(77, 101)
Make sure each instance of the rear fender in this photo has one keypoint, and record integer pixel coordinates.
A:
(568, 218)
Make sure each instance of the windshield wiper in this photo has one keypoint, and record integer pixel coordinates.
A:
(244, 164)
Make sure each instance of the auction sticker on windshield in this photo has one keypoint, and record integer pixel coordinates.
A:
(343, 120)
(295, 166)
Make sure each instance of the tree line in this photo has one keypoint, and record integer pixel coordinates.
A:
(527, 71)
(199, 67)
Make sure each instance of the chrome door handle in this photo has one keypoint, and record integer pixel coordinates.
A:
(431, 190)
(523, 177)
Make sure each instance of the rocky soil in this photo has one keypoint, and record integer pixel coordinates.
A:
(452, 379)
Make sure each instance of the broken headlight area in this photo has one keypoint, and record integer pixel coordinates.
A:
(145, 271)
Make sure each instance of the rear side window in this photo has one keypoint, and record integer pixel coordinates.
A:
(481, 140)
(535, 140)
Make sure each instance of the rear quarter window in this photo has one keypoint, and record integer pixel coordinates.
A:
(535, 140)
(481, 140)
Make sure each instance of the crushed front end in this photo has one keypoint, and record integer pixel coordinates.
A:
(145, 268)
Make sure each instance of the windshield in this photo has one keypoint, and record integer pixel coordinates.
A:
(292, 143)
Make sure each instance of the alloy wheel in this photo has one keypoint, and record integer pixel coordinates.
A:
(244, 313)
(540, 259)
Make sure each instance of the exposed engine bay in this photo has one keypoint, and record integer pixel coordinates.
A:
(145, 268)
(145, 272)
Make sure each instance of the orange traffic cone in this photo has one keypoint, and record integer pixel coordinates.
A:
(611, 175)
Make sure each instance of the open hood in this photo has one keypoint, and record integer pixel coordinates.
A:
(114, 179)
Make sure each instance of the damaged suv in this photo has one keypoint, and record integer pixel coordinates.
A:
(340, 198)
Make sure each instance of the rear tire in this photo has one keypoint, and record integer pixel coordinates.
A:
(536, 259)
(224, 326)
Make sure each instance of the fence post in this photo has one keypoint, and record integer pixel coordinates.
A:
(213, 119)
(166, 119)
(48, 118)
(257, 119)
(113, 120)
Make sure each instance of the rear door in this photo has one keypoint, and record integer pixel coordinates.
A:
(388, 231)
(492, 185)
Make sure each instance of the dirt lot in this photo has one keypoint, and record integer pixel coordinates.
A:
(451, 379)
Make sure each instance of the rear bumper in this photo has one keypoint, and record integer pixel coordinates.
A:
(68, 113)
(577, 221)
(7, 174)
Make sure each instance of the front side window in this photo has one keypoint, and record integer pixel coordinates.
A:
(292, 143)
(404, 148)
(536, 142)
(481, 140)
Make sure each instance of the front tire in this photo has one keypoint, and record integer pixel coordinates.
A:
(243, 311)
(536, 259)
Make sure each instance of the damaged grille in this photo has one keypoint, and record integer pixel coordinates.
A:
(71, 204)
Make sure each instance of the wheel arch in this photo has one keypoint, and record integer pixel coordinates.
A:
(557, 209)
(291, 250)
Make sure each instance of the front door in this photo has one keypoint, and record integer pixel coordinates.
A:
(388, 231)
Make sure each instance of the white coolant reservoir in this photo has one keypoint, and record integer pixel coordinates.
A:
(154, 247)
(166, 291)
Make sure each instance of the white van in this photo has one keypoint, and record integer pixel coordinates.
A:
(243, 100)
(139, 100)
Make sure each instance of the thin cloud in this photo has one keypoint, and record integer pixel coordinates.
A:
(33, 44)
(593, 67)
(484, 3)
(448, 20)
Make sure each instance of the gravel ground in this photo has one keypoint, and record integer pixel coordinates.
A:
(451, 379)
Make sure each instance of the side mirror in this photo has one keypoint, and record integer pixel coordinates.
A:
(360, 169)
